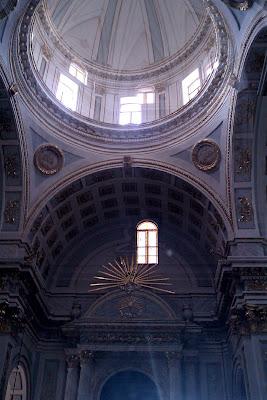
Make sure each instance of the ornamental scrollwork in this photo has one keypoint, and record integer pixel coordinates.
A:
(11, 318)
(248, 319)
(11, 166)
(244, 162)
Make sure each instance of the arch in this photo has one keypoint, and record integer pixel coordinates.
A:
(129, 385)
(101, 309)
(17, 384)
(147, 242)
(113, 196)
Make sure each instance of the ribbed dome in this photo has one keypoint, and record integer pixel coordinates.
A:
(126, 34)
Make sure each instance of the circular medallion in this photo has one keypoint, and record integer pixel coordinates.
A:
(48, 159)
(206, 155)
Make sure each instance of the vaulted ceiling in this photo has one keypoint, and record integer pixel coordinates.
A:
(105, 207)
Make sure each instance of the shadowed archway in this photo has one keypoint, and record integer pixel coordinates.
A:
(129, 385)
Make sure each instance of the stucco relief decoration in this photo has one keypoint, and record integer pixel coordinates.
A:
(206, 155)
(248, 319)
(11, 212)
(243, 162)
(245, 209)
(131, 307)
(48, 159)
(11, 165)
(47, 52)
(130, 276)
(245, 112)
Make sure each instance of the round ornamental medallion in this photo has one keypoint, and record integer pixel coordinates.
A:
(206, 155)
(48, 159)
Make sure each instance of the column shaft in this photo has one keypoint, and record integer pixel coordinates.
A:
(85, 382)
(72, 378)
(175, 374)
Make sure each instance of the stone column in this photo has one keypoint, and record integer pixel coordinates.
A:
(85, 382)
(175, 375)
(191, 384)
(72, 377)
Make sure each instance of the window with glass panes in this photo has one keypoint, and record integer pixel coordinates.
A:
(147, 243)
(191, 86)
(67, 92)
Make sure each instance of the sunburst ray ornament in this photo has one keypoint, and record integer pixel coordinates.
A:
(130, 276)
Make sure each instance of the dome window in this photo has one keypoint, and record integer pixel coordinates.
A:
(78, 73)
(133, 108)
(67, 92)
(191, 86)
(130, 110)
(147, 243)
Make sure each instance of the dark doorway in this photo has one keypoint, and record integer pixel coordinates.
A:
(129, 385)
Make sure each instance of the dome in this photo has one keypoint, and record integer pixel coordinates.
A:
(128, 34)
(123, 70)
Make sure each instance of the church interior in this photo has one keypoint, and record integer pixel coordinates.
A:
(133, 200)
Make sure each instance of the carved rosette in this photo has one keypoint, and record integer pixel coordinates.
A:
(48, 159)
(206, 155)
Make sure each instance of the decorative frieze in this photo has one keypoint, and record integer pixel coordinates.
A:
(132, 338)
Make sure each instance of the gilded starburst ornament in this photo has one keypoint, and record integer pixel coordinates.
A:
(129, 276)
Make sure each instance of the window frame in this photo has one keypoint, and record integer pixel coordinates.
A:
(187, 84)
(75, 95)
(147, 246)
(78, 70)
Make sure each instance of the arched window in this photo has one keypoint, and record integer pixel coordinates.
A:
(16, 386)
(147, 243)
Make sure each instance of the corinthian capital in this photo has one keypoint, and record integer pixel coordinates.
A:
(86, 356)
(72, 361)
